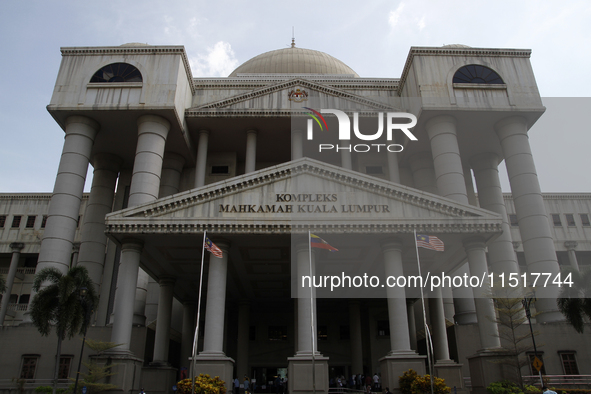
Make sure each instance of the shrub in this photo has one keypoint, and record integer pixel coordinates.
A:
(504, 387)
(422, 385)
(204, 384)
(405, 381)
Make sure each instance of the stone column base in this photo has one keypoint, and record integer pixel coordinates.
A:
(451, 372)
(396, 363)
(216, 365)
(299, 374)
(127, 371)
(158, 380)
(488, 366)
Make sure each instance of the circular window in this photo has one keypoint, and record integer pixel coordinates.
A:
(475, 73)
(117, 72)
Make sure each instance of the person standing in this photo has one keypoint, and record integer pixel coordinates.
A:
(236, 385)
(246, 385)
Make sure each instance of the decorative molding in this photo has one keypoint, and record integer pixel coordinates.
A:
(286, 85)
(258, 82)
(140, 50)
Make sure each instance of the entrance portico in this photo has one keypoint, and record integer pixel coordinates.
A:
(264, 240)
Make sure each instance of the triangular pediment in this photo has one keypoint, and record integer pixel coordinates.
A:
(294, 94)
(302, 194)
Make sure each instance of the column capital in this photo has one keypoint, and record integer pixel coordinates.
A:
(391, 244)
(251, 131)
(84, 120)
(504, 131)
(203, 132)
(132, 244)
(485, 161)
(106, 161)
(17, 246)
(570, 245)
(474, 243)
(166, 281)
(173, 161)
(153, 119)
(431, 123)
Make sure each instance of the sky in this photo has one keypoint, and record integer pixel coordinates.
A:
(372, 37)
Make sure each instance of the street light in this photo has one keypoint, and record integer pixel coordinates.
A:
(87, 304)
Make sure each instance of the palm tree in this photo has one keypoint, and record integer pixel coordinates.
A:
(58, 303)
(574, 301)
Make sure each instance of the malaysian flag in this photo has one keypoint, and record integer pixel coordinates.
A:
(317, 242)
(217, 252)
(429, 242)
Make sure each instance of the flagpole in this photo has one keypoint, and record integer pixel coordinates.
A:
(312, 314)
(428, 339)
(196, 337)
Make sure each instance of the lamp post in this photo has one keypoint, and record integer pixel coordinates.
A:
(87, 305)
(526, 303)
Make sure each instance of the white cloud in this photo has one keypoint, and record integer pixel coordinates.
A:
(421, 23)
(219, 61)
(395, 15)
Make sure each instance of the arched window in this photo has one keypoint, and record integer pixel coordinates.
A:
(117, 72)
(475, 73)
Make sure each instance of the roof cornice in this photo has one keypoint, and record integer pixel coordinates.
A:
(134, 50)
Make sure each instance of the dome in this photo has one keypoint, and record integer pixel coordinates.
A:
(456, 46)
(294, 61)
(134, 44)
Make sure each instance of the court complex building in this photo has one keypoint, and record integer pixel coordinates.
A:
(284, 147)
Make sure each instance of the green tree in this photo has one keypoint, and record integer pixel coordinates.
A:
(92, 380)
(513, 328)
(574, 302)
(58, 303)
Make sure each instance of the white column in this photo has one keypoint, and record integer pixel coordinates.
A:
(446, 158)
(304, 319)
(172, 166)
(243, 331)
(538, 245)
(412, 326)
(393, 171)
(470, 187)
(162, 336)
(572, 256)
(102, 317)
(251, 151)
(213, 343)
(490, 195)
(147, 167)
(75, 253)
(188, 333)
(131, 251)
(64, 208)
(355, 338)
(297, 144)
(465, 309)
(423, 173)
(485, 310)
(16, 248)
(93, 240)
(201, 164)
(145, 185)
(437, 315)
(346, 160)
(399, 335)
